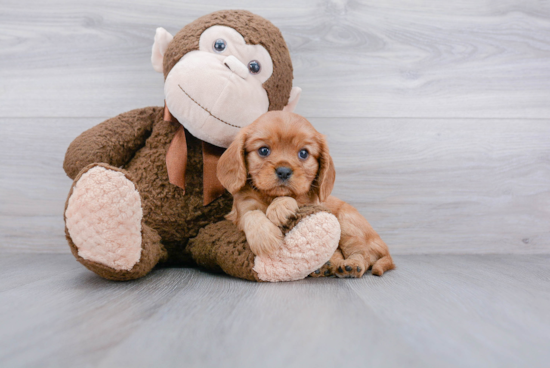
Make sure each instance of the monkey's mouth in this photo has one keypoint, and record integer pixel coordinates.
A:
(208, 111)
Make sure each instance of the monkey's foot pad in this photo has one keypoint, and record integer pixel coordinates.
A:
(103, 218)
(310, 240)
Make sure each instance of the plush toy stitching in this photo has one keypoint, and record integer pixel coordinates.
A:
(205, 109)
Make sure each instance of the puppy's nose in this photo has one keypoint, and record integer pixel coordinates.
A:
(283, 172)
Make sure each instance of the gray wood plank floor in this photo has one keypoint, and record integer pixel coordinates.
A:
(432, 311)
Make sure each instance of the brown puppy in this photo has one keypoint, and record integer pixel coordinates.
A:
(280, 162)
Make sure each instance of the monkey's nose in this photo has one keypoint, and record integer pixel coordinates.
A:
(236, 66)
(283, 172)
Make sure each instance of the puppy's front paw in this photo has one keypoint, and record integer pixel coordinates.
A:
(281, 209)
(262, 235)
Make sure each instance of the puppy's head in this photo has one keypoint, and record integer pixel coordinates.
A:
(282, 155)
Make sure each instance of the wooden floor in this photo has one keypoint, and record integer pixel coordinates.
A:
(432, 311)
(438, 119)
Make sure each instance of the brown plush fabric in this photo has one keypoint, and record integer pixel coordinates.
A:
(222, 247)
(302, 213)
(256, 31)
(174, 214)
(152, 249)
(114, 141)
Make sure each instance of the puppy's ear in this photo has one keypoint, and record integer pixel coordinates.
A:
(326, 175)
(232, 167)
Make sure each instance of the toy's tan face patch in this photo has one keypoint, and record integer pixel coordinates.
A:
(236, 46)
(217, 90)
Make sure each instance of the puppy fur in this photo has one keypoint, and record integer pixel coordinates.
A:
(268, 188)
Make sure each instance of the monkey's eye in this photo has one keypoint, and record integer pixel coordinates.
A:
(219, 45)
(264, 152)
(254, 67)
(303, 154)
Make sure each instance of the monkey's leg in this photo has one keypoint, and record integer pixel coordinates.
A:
(221, 247)
(310, 238)
(105, 228)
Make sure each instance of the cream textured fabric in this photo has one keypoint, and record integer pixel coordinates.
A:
(306, 248)
(104, 218)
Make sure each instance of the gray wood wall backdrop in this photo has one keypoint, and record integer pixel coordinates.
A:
(437, 112)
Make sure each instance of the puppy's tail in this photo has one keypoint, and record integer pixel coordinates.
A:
(382, 265)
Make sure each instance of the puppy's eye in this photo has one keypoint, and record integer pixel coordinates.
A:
(219, 45)
(303, 154)
(264, 151)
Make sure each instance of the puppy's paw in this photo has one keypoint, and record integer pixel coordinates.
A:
(324, 271)
(262, 235)
(265, 240)
(281, 209)
(349, 268)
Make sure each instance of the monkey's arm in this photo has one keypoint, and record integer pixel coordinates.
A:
(114, 141)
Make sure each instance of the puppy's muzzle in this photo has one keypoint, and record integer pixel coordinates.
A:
(283, 173)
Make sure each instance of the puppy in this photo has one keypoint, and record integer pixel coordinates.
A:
(278, 163)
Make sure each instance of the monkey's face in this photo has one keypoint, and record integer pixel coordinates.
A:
(216, 90)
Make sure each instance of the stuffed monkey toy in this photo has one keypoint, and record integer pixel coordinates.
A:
(145, 189)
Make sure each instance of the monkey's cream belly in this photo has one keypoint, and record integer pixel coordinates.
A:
(103, 218)
(306, 248)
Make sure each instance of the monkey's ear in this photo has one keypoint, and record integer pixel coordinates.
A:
(162, 39)
(293, 100)
(232, 167)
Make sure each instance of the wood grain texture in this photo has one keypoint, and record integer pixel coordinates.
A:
(457, 186)
(432, 311)
(426, 185)
(396, 58)
(33, 185)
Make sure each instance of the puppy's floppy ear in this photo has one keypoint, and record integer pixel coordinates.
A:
(326, 175)
(232, 167)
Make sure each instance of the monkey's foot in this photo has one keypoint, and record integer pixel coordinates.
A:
(311, 237)
(103, 219)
